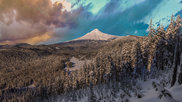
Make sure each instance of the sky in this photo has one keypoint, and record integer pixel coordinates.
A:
(53, 21)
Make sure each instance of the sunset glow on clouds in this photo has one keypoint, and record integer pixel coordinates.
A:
(33, 22)
(32, 40)
(52, 21)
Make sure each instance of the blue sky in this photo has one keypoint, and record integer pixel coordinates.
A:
(120, 17)
(96, 4)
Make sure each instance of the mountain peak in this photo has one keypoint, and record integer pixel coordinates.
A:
(96, 34)
(96, 30)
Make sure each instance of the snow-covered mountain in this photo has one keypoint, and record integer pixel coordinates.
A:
(96, 35)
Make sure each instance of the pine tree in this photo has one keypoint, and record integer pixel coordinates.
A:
(151, 30)
(176, 62)
(177, 53)
(178, 25)
(138, 60)
(161, 33)
(171, 28)
(160, 48)
(179, 31)
(151, 45)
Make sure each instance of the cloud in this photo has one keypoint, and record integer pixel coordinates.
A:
(121, 17)
(32, 40)
(22, 20)
(113, 18)
(44, 21)
(162, 14)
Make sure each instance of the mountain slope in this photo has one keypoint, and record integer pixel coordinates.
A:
(96, 35)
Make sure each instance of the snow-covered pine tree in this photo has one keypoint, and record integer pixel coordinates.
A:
(138, 60)
(178, 25)
(160, 48)
(178, 30)
(161, 32)
(177, 54)
(151, 45)
(152, 31)
(171, 28)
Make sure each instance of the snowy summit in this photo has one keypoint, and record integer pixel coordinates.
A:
(96, 35)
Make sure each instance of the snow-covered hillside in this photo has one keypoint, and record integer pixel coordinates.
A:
(151, 90)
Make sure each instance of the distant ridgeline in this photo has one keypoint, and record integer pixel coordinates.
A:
(120, 60)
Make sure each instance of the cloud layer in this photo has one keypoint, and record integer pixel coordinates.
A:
(44, 21)
(22, 20)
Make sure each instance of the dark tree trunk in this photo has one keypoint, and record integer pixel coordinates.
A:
(176, 62)
(180, 75)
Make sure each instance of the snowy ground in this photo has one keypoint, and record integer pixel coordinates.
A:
(177, 93)
(151, 91)
(152, 95)
(77, 63)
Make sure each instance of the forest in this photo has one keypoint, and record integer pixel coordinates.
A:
(33, 73)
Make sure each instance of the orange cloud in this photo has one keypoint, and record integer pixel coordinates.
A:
(34, 40)
(38, 39)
